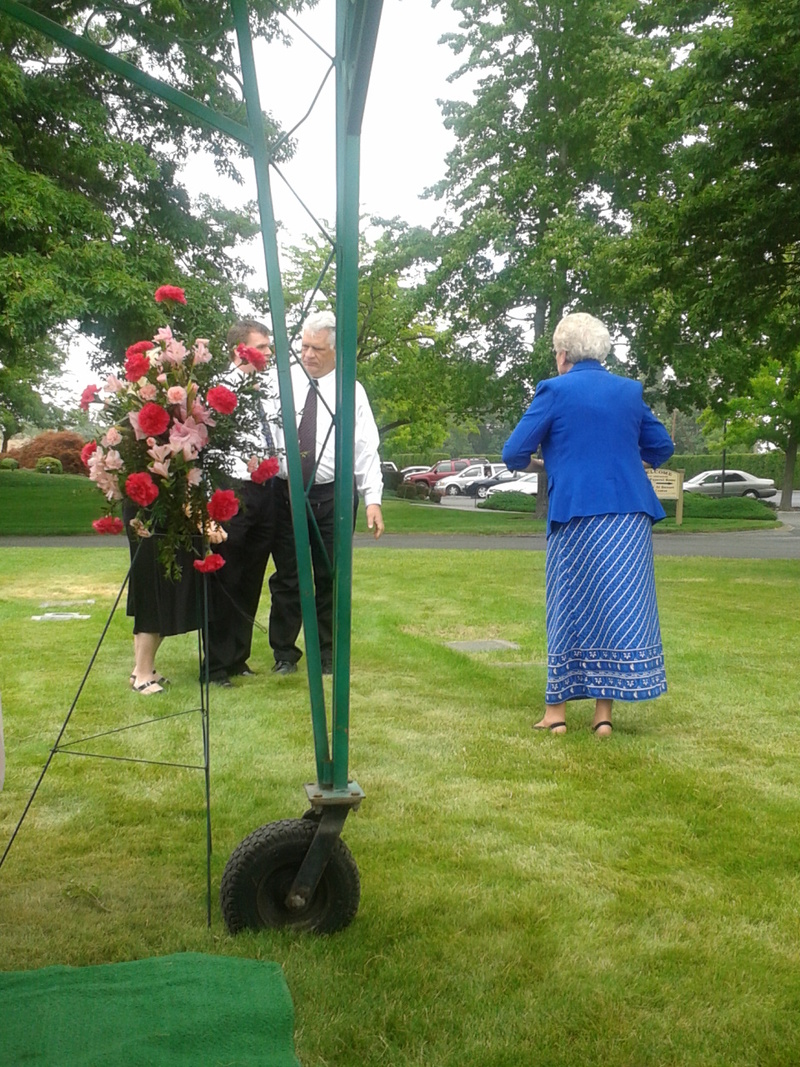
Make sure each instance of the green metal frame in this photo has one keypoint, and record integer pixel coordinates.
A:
(357, 24)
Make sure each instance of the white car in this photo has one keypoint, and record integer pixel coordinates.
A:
(737, 483)
(457, 483)
(528, 483)
(407, 471)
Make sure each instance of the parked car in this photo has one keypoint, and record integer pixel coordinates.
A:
(504, 477)
(526, 483)
(737, 483)
(442, 469)
(459, 483)
(406, 471)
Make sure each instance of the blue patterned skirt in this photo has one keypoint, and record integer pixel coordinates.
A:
(603, 637)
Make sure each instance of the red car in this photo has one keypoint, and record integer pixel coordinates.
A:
(442, 469)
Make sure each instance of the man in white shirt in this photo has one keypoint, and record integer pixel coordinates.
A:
(318, 453)
(235, 589)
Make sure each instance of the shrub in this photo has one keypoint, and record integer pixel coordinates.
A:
(49, 465)
(412, 491)
(8, 463)
(696, 506)
(509, 502)
(63, 445)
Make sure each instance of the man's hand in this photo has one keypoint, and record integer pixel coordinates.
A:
(375, 519)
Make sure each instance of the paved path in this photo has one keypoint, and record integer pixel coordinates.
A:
(783, 543)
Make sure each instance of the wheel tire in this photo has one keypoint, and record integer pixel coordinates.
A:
(752, 494)
(261, 870)
(482, 491)
(452, 490)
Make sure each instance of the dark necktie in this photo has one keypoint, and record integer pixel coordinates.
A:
(307, 433)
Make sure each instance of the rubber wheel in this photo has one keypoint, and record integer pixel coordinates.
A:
(260, 872)
(751, 494)
(452, 490)
(482, 492)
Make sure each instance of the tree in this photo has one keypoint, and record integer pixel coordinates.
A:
(418, 378)
(713, 252)
(527, 176)
(92, 215)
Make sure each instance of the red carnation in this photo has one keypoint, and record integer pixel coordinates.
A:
(223, 505)
(153, 420)
(87, 451)
(136, 362)
(108, 525)
(252, 356)
(139, 348)
(170, 292)
(212, 562)
(88, 395)
(266, 469)
(141, 489)
(222, 399)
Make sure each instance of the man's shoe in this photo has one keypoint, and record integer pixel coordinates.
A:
(222, 683)
(327, 668)
(283, 666)
(245, 672)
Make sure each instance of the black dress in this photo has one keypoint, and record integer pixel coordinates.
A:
(157, 604)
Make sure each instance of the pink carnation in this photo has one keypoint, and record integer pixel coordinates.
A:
(108, 525)
(141, 489)
(212, 562)
(153, 419)
(87, 451)
(88, 396)
(176, 394)
(252, 355)
(267, 469)
(136, 363)
(222, 399)
(223, 505)
(170, 292)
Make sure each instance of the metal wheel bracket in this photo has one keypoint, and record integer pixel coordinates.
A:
(328, 832)
(321, 797)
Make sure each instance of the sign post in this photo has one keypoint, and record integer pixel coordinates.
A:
(669, 486)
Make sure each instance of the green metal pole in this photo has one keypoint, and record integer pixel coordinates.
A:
(84, 47)
(278, 312)
(356, 30)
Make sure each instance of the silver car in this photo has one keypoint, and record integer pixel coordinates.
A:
(737, 483)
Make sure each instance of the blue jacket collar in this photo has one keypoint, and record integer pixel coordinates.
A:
(587, 364)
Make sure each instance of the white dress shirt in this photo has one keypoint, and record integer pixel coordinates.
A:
(369, 479)
(252, 442)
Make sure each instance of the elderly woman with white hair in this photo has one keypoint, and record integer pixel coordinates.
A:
(596, 432)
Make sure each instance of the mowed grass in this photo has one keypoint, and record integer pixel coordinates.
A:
(33, 504)
(525, 899)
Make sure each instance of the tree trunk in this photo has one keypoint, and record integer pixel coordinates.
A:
(790, 458)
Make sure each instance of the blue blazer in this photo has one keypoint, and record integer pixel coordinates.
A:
(595, 429)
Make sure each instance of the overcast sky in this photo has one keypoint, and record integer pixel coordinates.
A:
(403, 141)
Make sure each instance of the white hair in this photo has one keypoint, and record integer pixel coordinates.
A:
(322, 322)
(582, 336)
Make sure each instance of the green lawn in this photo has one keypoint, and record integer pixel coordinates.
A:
(38, 504)
(525, 899)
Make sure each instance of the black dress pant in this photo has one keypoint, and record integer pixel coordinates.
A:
(285, 619)
(235, 589)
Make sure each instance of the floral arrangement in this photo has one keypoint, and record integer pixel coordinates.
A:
(169, 428)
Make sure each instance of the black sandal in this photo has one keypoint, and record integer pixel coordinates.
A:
(549, 726)
(597, 726)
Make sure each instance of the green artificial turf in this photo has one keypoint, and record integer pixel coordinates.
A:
(526, 899)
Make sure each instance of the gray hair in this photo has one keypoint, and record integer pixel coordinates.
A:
(582, 336)
(322, 322)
